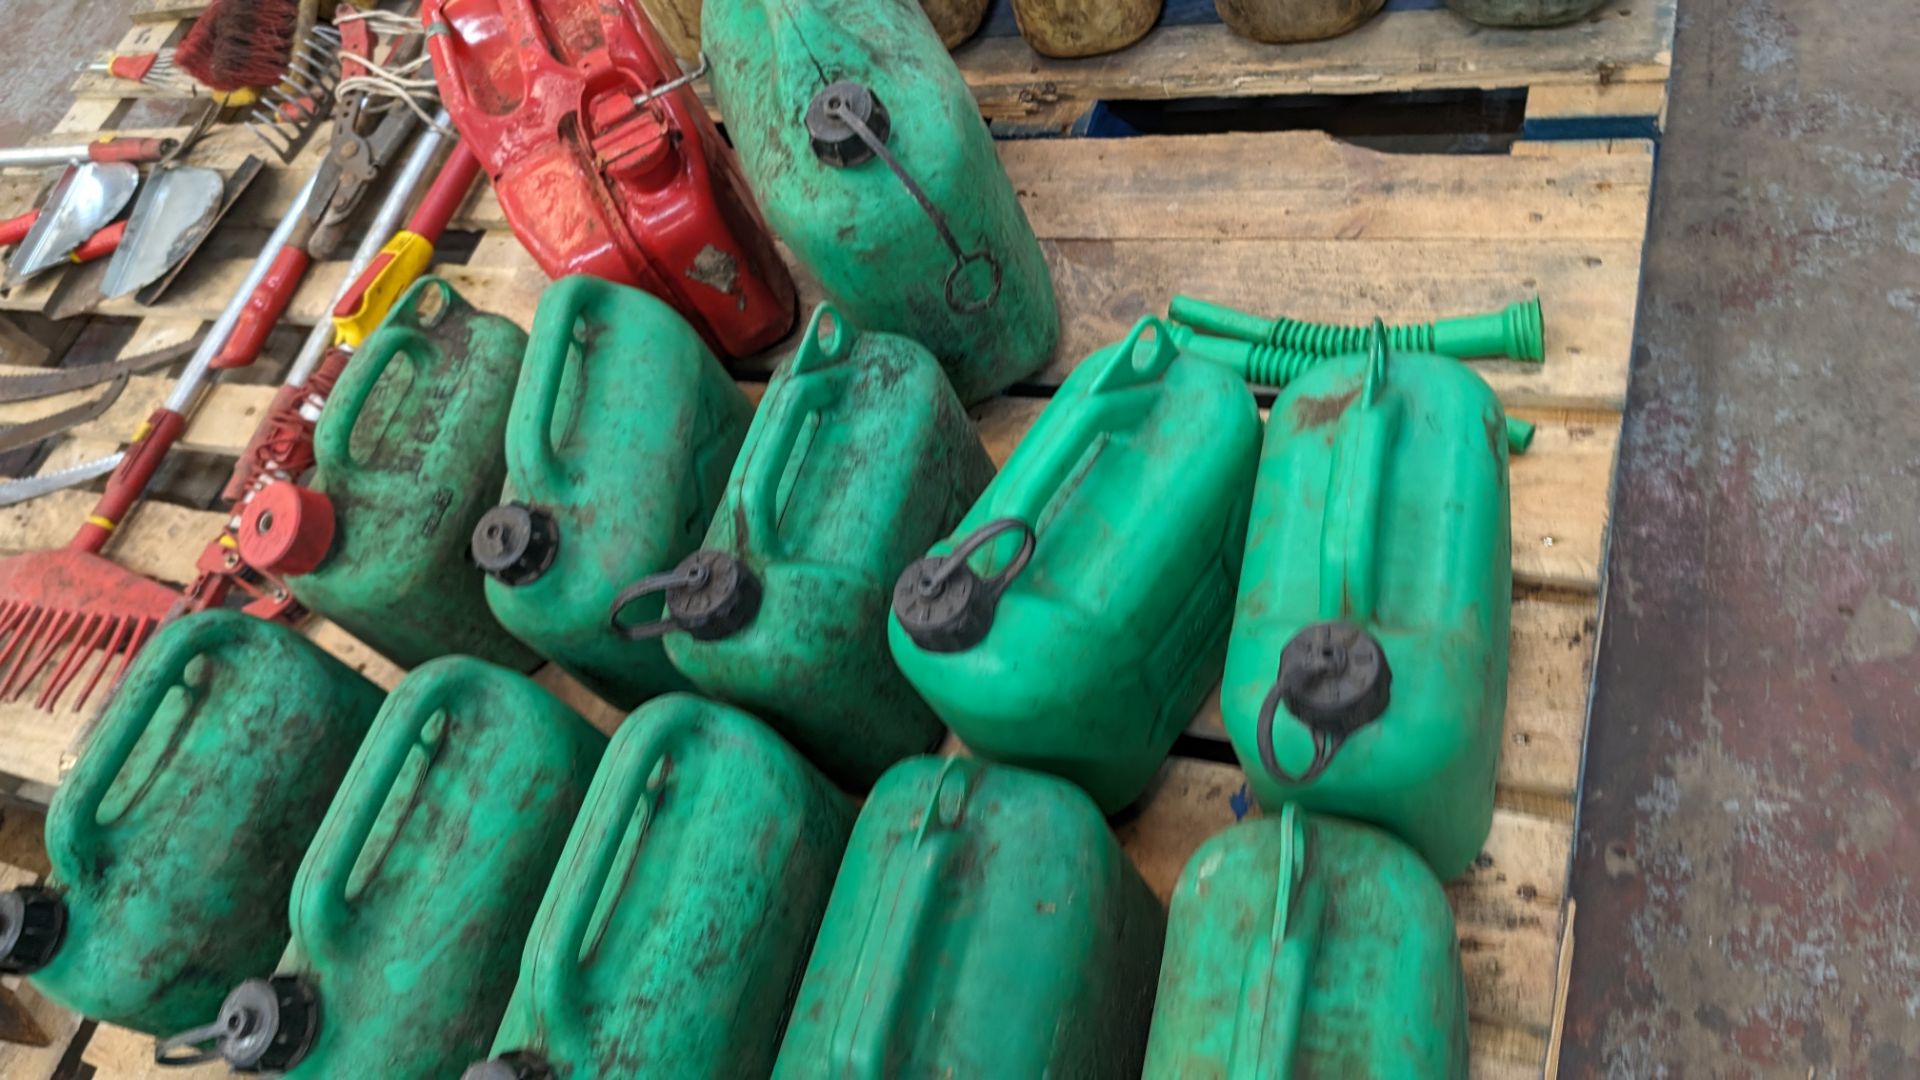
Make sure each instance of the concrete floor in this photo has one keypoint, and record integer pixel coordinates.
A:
(1749, 856)
(46, 42)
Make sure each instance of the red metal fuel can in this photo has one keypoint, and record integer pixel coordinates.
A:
(599, 171)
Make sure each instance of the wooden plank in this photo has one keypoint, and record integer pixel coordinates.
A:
(116, 1053)
(149, 11)
(1595, 100)
(1398, 51)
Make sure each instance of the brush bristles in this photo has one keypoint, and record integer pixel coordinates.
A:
(237, 44)
(32, 635)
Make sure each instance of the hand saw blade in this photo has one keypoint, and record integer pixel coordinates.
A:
(41, 384)
(14, 436)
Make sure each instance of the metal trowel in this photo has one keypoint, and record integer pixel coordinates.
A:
(173, 214)
(87, 197)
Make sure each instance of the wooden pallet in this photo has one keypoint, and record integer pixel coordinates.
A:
(1279, 221)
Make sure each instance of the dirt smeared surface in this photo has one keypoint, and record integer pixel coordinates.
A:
(1751, 819)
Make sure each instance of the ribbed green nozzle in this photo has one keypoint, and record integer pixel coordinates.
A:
(1516, 333)
(1270, 365)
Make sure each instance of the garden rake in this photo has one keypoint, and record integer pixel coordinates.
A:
(71, 611)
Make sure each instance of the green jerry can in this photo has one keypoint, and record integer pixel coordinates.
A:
(861, 456)
(408, 453)
(1303, 947)
(985, 924)
(674, 934)
(867, 153)
(1367, 675)
(413, 904)
(175, 839)
(1077, 618)
(623, 430)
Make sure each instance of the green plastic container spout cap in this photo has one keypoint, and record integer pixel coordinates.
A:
(265, 1026)
(33, 923)
(510, 1067)
(711, 595)
(515, 543)
(943, 605)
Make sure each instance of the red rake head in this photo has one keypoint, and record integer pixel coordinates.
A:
(71, 605)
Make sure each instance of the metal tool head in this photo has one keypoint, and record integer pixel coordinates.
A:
(235, 185)
(286, 116)
(173, 213)
(86, 198)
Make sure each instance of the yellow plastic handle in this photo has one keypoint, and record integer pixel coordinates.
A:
(397, 267)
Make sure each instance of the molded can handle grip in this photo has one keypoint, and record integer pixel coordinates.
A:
(1141, 360)
(320, 893)
(894, 932)
(623, 830)
(161, 667)
(530, 448)
(1285, 965)
(1349, 542)
(808, 389)
(333, 434)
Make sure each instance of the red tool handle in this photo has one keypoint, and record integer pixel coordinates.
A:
(448, 191)
(15, 229)
(264, 308)
(100, 244)
(151, 443)
(133, 67)
(131, 151)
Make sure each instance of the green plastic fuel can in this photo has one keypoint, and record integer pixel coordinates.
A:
(413, 904)
(408, 453)
(859, 458)
(622, 433)
(1078, 617)
(1367, 675)
(867, 152)
(675, 931)
(175, 839)
(985, 924)
(1301, 947)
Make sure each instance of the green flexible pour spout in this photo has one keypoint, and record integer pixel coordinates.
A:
(1271, 365)
(1515, 333)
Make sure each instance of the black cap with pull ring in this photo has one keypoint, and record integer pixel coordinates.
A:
(943, 605)
(518, 1065)
(1334, 678)
(265, 1026)
(710, 595)
(515, 543)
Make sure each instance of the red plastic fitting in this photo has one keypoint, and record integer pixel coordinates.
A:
(286, 529)
(596, 182)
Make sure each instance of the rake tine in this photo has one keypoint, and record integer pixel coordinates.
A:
(49, 644)
(12, 614)
(143, 629)
(119, 625)
(23, 644)
(85, 640)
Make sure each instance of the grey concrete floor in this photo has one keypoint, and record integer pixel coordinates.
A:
(1749, 856)
(43, 43)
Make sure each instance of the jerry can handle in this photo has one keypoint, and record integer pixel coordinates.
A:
(163, 665)
(333, 434)
(887, 950)
(348, 825)
(637, 797)
(840, 105)
(827, 341)
(1293, 940)
(548, 347)
(1142, 359)
(1349, 575)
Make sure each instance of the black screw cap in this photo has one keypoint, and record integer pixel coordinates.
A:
(944, 616)
(722, 598)
(515, 543)
(1334, 677)
(834, 140)
(269, 1024)
(33, 923)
